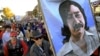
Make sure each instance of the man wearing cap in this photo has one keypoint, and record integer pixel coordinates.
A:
(41, 47)
(15, 47)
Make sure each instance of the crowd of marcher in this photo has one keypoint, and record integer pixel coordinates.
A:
(28, 39)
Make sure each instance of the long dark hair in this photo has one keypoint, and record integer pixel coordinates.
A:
(63, 10)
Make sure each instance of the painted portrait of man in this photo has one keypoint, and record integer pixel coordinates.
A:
(71, 27)
(81, 40)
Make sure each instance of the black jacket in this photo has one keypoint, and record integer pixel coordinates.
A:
(36, 51)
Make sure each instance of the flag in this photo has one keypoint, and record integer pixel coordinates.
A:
(50, 9)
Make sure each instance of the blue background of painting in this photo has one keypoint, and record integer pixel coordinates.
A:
(54, 22)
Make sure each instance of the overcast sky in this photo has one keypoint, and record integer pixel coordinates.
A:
(19, 7)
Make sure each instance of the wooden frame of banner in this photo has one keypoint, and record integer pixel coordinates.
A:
(49, 37)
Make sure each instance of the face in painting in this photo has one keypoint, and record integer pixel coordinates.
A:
(75, 21)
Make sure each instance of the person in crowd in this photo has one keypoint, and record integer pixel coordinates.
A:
(13, 26)
(6, 34)
(28, 35)
(1, 44)
(20, 35)
(40, 47)
(15, 47)
(21, 27)
(80, 41)
(1, 32)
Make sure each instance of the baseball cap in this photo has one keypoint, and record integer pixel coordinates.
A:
(13, 34)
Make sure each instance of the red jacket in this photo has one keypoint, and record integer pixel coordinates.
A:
(1, 33)
(96, 52)
(24, 46)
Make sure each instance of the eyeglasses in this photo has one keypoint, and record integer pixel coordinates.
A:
(38, 38)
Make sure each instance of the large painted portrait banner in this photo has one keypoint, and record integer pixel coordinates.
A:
(71, 26)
